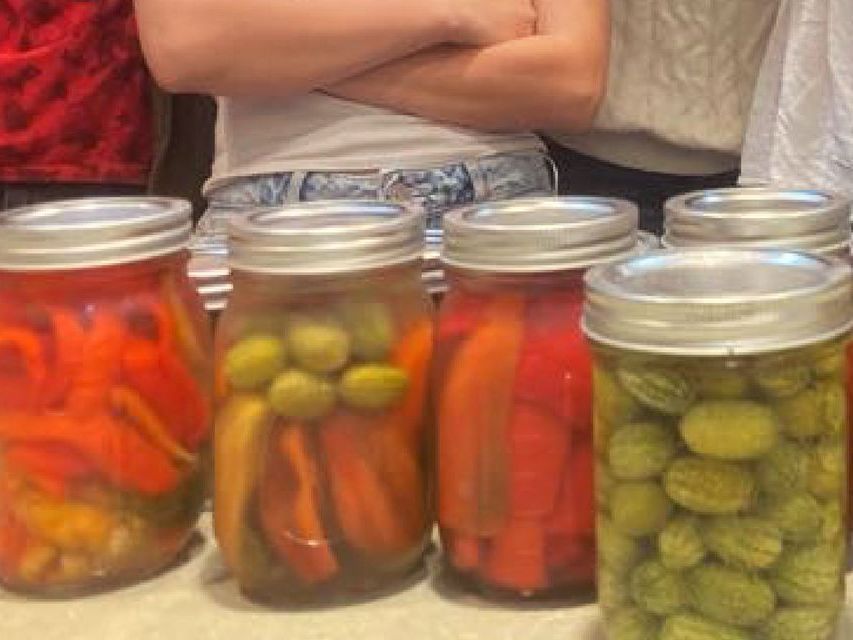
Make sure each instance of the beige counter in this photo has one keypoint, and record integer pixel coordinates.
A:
(197, 601)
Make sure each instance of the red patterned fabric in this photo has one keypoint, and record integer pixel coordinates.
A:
(74, 93)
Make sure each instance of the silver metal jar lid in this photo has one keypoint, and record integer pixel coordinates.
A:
(718, 302)
(325, 238)
(760, 217)
(538, 235)
(92, 232)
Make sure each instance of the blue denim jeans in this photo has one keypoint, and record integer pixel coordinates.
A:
(433, 191)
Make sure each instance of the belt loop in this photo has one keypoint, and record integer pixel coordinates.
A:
(479, 183)
(555, 173)
(294, 187)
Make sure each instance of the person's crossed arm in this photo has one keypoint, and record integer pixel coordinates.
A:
(554, 79)
(284, 48)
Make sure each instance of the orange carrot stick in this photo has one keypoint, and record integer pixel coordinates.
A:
(370, 521)
(464, 551)
(517, 557)
(289, 507)
(413, 354)
(187, 333)
(473, 414)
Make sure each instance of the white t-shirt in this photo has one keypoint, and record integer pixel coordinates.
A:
(317, 132)
(801, 129)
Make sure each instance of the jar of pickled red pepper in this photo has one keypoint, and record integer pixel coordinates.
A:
(105, 393)
(513, 376)
(321, 456)
(802, 220)
(720, 387)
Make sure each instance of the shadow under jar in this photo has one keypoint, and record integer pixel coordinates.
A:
(322, 432)
(514, 378)
(721, 425)
(105, 393)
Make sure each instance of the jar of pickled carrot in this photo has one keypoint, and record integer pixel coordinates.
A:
(513, 376)
(720, 404)
(105, 393)
(323, 353)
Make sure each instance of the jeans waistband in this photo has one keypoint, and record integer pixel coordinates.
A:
(433, 190)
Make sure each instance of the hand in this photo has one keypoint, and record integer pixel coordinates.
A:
(486, 22)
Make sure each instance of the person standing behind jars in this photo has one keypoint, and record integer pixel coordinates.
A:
(682, 76)
(429, 102)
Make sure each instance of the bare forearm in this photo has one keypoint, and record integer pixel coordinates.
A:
(553, 80)
(278, 47)
(522, 85)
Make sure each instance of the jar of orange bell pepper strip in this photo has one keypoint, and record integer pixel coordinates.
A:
(104, 393)
(321, 483)
(515, 443)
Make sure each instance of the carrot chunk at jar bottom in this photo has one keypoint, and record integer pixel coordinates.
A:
(516, 559)
(289, 504)
(473, 416)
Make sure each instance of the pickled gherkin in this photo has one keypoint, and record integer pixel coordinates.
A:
(642, 450)
(719, 497)
(741, 419)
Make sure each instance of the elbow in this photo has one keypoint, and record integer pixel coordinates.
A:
(578, 101)
(176, 55)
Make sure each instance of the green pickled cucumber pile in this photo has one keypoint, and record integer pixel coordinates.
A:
(720, 492)
(308, 364)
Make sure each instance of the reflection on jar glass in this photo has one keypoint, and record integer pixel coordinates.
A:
(322, 487)
(105, 400)
(720, 443)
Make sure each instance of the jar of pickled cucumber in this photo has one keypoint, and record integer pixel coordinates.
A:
(720, 432)
(515, 448)
(813, 221)
(759, 217)
(105, 393)
(323, 353)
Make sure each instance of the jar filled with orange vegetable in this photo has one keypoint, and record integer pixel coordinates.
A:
(321, 440)
(515, 438)
(105, 395)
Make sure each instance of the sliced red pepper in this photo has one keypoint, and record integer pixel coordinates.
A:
(575, 510)
(113, 448)
(23, 368)
(166, 384)
(538, 448)
(69, 340)
(89, 387)
(53, 466)
(555, 367)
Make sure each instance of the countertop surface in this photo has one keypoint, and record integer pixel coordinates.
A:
(197, 600)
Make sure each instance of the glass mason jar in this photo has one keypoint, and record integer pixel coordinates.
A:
(813, 221)
(105, 393)
(720, 384)
(515, 453)
(321, 453)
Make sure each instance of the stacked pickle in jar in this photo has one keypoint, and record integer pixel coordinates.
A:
(104, 400)
(720, 492)
(321, 483)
